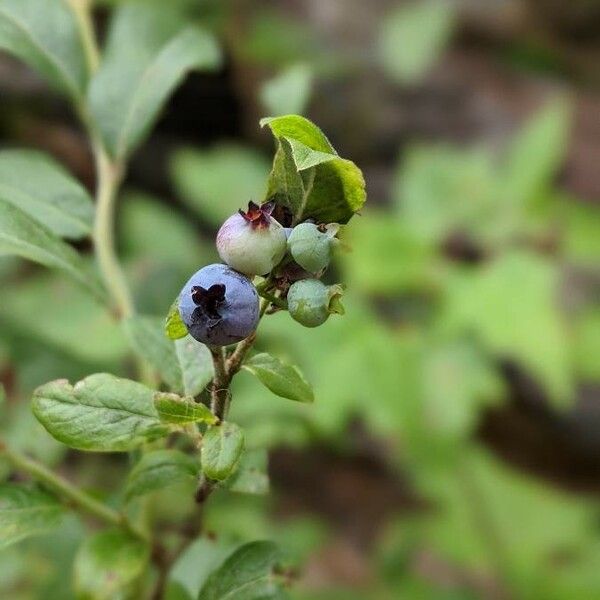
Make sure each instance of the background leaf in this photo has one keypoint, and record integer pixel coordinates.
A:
(40, 187)
(107, 563)
(20, 235)
(516, 288)
(289, 91)
(251, 476)
(149, 50)
(184, 365)
(284, 380)
(248, 574)
(222, 447)
(196, 364)
(158, 469)
(102, 413)
(44, 34)
(70, 312)
(536, 153)
(26, 511)
(413, 37)
(147, 339)
(204, 181)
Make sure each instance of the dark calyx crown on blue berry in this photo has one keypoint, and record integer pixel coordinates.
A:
(258, 216)
(209, 300)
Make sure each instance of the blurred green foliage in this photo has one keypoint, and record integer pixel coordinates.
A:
(463, 266)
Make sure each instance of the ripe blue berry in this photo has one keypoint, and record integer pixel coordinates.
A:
(219, 306)
(310, 302)
(252, 242)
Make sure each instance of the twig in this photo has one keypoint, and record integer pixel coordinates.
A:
(68, 491)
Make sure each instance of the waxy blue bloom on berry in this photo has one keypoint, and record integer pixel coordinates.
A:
(219, 306)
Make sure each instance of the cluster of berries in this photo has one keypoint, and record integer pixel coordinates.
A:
(219, 305)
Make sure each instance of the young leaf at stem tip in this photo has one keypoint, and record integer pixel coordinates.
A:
(309, 177)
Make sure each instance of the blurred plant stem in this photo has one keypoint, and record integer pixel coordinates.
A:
(83, 14)
(68, 492)
(109, 175)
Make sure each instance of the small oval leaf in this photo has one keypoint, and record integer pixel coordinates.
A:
(222, 446)
(284, 380)
(250, 573)
(174, 409)
(174, 327)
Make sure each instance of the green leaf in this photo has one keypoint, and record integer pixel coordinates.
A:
(284, 380)
(510, 305)
(149, 51)
(413, 37)
(440, 189)
(185, 365)
(289, 91)
(300, 129)
(218, 181)
(158, 469)
(20, 235)
(107, 563)
(198, 561)
(44, 34)
(373, 240)
(222, 447)
(40, 187)
(251, 475)
(174, 409)
(152, 232)
(102, 413)
(26, 511)
(146, 337)
(250, 573)
(309, 177)
(536, 153)
(196, 364)
(174, 326)
(70, 312)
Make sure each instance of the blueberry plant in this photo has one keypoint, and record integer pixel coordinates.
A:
(173, 418)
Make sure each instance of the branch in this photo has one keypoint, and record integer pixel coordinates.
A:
(68, 491)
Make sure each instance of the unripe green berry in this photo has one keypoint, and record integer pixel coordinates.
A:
(310, 302)
(310, 247)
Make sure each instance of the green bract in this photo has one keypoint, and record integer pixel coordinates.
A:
(310, 302)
